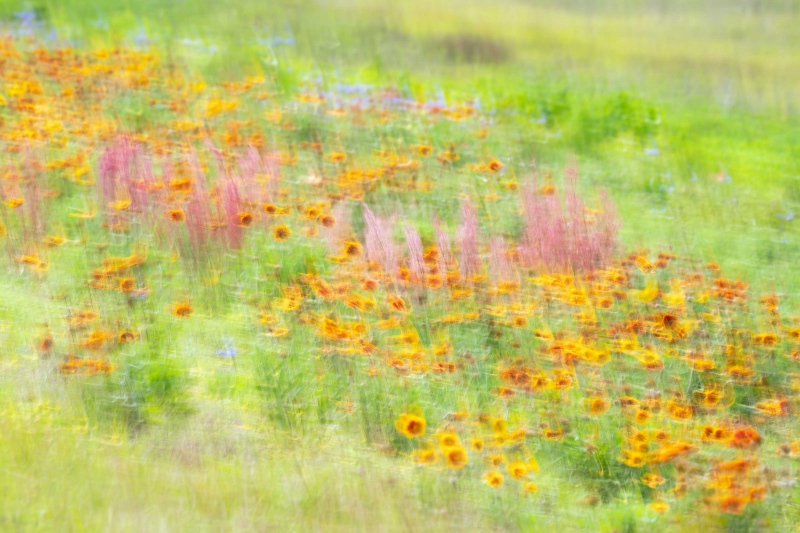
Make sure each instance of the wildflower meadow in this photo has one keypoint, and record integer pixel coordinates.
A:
(422, 266)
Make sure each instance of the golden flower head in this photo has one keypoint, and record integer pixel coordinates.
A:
(517, 470)
(448, 440)
(494, 165)
(281, 233)
(493, 478)
(182, 310)
(456, 457)
(176, 215)
(410, 425)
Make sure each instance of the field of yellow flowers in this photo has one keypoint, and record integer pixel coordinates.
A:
(306, 284)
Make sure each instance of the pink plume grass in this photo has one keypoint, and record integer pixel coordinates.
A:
(378, 241)
(469, 254)
(232, 206)
(341, 230)
(501, 268)
(566, 236)
(443, 243)
(197, 209)
(416, 263)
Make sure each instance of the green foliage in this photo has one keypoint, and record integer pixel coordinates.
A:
(150, 385)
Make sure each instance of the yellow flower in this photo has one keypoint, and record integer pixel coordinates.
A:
(494, 165)
(530, 488)
(14, 203)
(652, 480)
(352, 248)
(456, 457)
(659, 507)
(281, 233)
(424, 457)
(182, 310)
(519, 321)
(215, 107)
(120, 205)
(632, 458)
(424, 150)
(176, 215)
(412, 426)
(54, 240)
(493, 478)
(517, 470)
(448, 440)
(596, 406)
(496, 460)
(245, 219)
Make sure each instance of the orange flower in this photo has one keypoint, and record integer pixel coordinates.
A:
(668, 452)
(732, 504)
(641, 416)
(74, 365)
(632, 458)
(448, 440)
(740, 373)
(182, 310)
(273, 210)
(46, 344)
(352, 248)
(519, 321)
(95, 340)
(176, 215)
(456, 457)
(746, 438)
(181, 185)
(553, 434)
(245, 219)
(714, 434)
(546, 190)
(765, 339)
(14, 203)
(679, 411)
(127, 285)
(596, 406)
(396, 303)
(424, 150)
(653, 480)
(328, 221)
(281, 233)
(425, 457)
(127, 336)
(774, 407)
(494, 165)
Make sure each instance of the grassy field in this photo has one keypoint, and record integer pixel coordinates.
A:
(354, 265)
